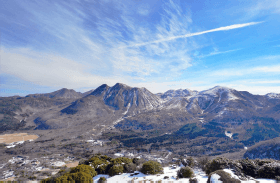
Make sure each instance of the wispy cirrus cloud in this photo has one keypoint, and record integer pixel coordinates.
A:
(151, 59)
(144, 9)
(259, 7)
(92, 44)
(50, 70)
(266, 82)
(226, 28)
(216, 52)
(86, 43)
(266, 69)
(246, 71)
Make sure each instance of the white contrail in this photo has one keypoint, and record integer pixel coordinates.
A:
(226, 28)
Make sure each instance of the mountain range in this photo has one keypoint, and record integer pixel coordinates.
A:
(209, 122)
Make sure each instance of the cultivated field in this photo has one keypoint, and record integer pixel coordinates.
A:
(16, 137)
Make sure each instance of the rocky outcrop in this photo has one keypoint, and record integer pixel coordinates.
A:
(246, 168)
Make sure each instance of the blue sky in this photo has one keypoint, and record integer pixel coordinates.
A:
(158, 44)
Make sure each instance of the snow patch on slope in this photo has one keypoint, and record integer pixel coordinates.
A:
(170, 172)
(119, 154)
(128, 106)
(215, 178)
(228, 134)
(232, 97)
(14, 144)
(231, 173)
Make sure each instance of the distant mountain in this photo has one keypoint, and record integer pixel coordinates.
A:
(62, 93)
(177, 93)
(120, 97)
(273, 95)
(212, 121)
(87, 93)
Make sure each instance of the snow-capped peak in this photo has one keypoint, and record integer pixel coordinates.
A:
(273, 95)
(215, 90)
(219, 90)
(177, 93)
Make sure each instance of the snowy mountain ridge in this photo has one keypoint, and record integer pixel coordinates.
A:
(273, 95)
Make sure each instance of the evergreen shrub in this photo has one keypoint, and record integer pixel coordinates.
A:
(185, 172)
(151, 167)
(116, 170)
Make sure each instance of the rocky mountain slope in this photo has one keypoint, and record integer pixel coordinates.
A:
(213, 121)
(265, 149)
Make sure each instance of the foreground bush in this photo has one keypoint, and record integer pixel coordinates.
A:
(202, 161)
(120, 160)
(85, 169)
(152, 167)
(224, 177)
(189, 162)
(270, 170)
(102, 180)
(100, 163)
(185, 172)
(249, 167)
(77, 177)
(129, 168)
(217, 164)
(116, 170)
(138, 161)
(79, 173)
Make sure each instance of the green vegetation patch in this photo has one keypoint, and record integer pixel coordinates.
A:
(80, 173)
(113, 166)
(191, 131)
(260, 133)
(152, 167)
(185, 172)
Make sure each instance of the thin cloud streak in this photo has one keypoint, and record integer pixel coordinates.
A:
(218, 53)
(230, 72)
(226, 28)
(267, 82)
(275, 68)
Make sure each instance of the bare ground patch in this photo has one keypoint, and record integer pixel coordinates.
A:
(73, 164)
(8, 179)
(16, 137)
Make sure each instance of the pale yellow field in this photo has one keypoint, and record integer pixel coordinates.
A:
(8, 179)
(73, 164)
(15, 137)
